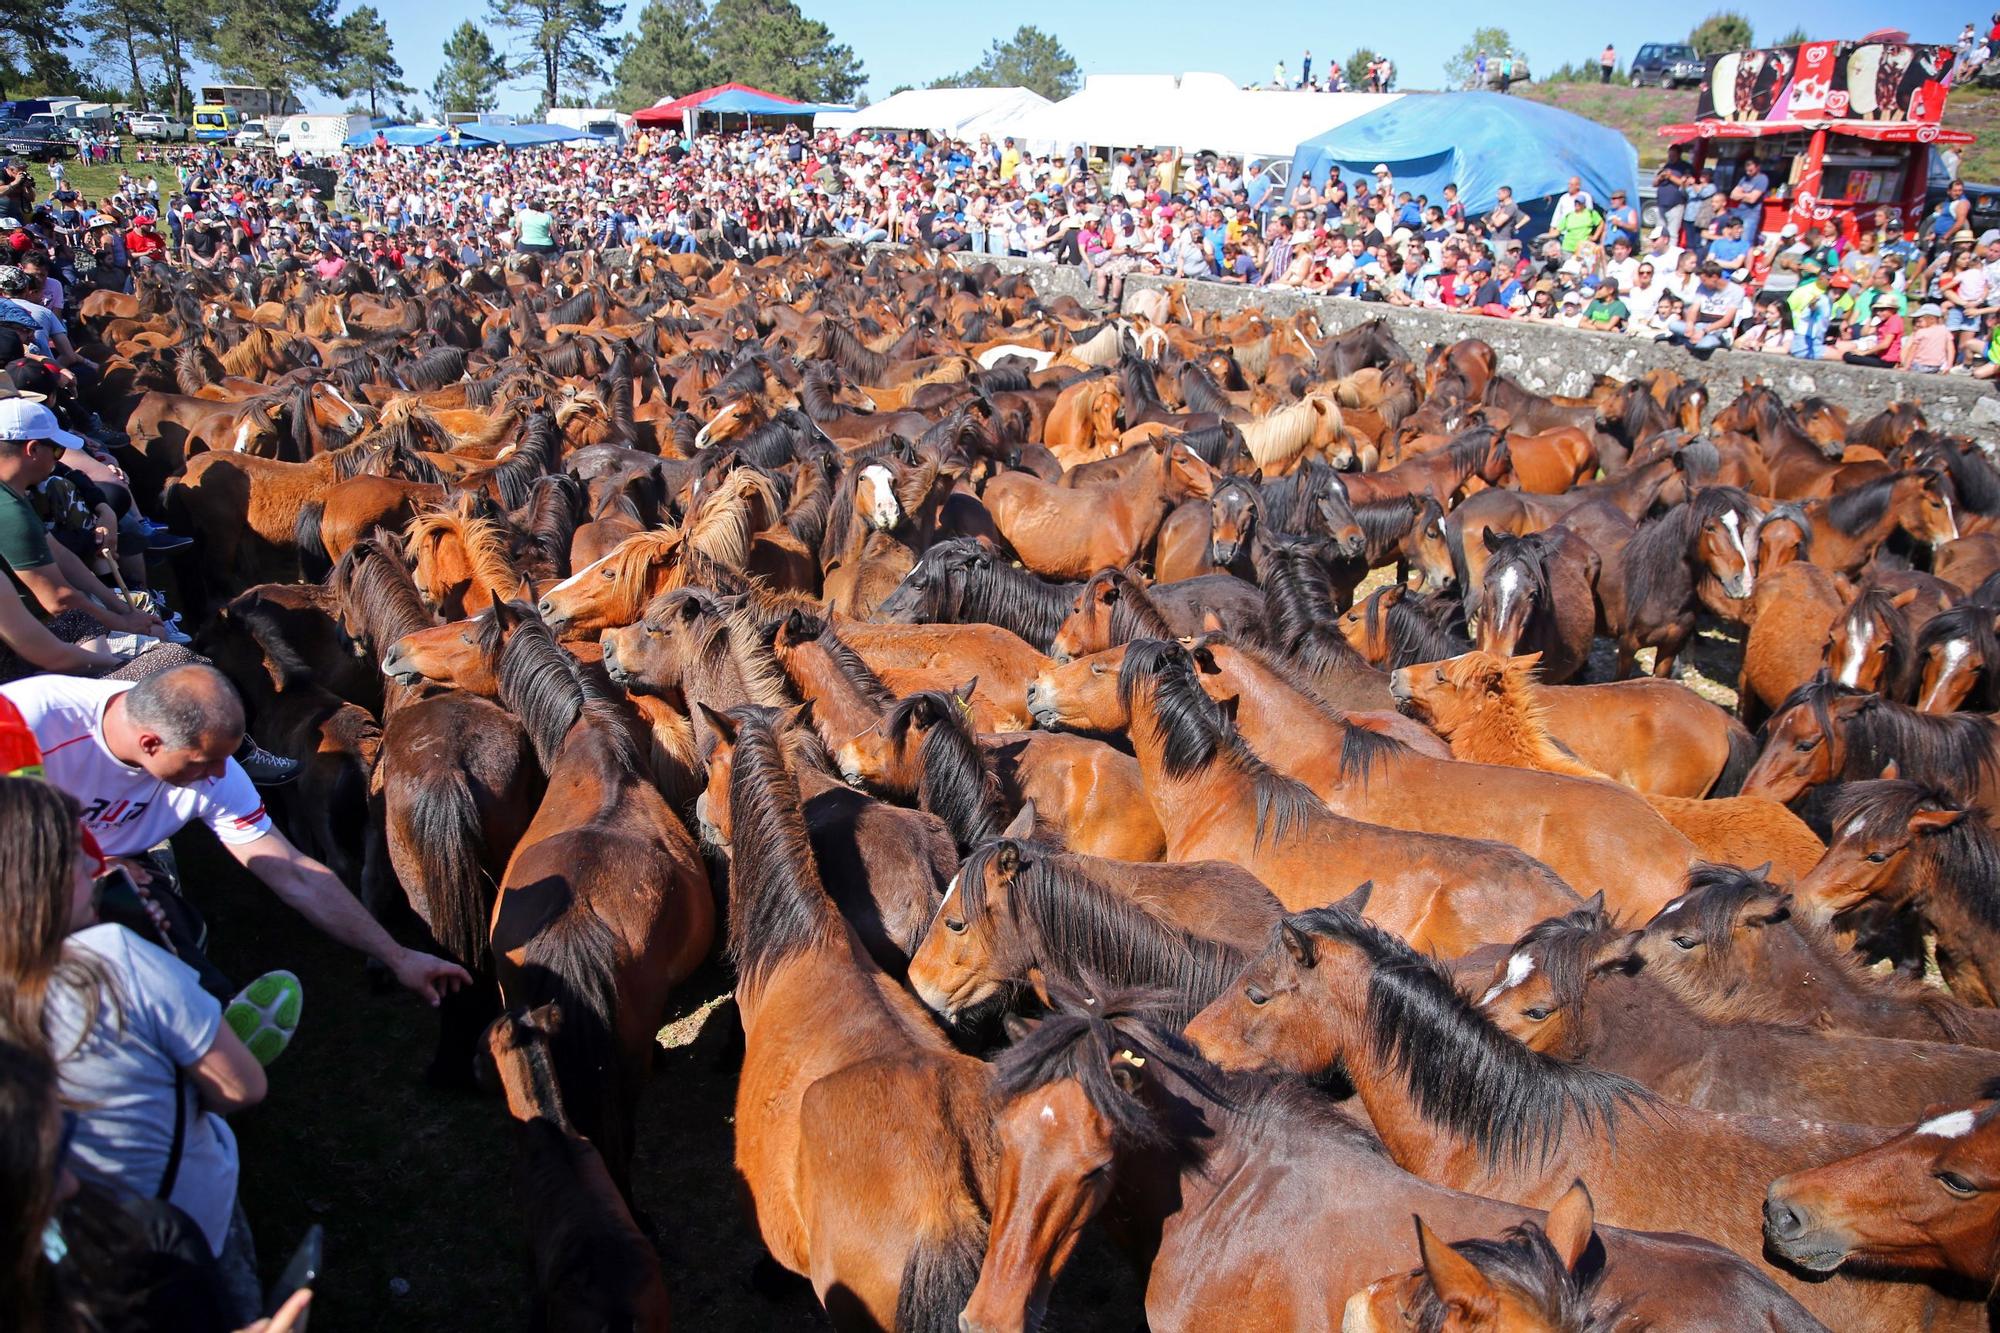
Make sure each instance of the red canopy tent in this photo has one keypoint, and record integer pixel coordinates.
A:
(671, 113)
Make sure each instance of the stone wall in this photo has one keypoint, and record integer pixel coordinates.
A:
(1550, 359)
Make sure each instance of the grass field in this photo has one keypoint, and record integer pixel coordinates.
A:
(100, 182)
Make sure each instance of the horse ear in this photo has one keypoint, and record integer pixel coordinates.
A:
(1125, 1067)
(1617, 954)
(1844, 586)
(1456, 1279)
(802, 716)
(964, 693)
(274, 410)
(1595, 903)
(1890, 772)
(1934, 821)
(1492, 540)
(1528, 663)
(1023, 823)
(720, 724)
(1298, 944)
(1357, 901)
(1228, 710)
(1007, 861)
(1107, 593)
(1039, 984)
(1903, 598)
(1203, 658)
(1211, 623)
(1017, 1028)
(1570, 1223)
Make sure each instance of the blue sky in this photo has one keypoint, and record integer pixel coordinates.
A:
(905, 43)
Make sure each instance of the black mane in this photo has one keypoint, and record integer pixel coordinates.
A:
(957, 785)
(1660, 561)
(1461, 1071)
(1854, 511)
(1972, 621)
(777, 906)
(549, 690)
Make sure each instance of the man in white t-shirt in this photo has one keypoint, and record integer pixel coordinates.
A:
(143, 760)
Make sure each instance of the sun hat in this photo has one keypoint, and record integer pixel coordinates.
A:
(1930, 310)
(22, 419)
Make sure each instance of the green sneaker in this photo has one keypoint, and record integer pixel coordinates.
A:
(265, 1014)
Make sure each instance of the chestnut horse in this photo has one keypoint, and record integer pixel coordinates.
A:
(1071, 534)
(1218, 801)
(1958, 660)
(1211, 1173)
(1461, 1103)
(1486, 708)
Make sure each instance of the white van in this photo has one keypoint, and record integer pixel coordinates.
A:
(321, 136)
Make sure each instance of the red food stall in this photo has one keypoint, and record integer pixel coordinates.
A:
(1841, 128)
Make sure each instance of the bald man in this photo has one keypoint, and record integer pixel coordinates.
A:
(143, 760)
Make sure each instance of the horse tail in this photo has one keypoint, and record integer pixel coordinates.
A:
(314, 563)
(1742, 756)
(574, 962)
(449, 837)
(938, 1279)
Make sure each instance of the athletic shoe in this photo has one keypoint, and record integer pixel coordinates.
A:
(265, 1014)
(265, 769)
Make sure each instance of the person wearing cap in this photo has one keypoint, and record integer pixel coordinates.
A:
(1606, 313)
(1928, 350)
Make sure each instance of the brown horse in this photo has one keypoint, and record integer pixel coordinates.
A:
(1569, 988)
(604, 906)
(1734, 950)
(463, 561)
(593, 1267)
(1849, 527)
(1792, 614)
(1218, 801)
(1461, 1103)
(1537, 597)
(1914, 848)
(1019, 906)
(1212, 1173)
(863, 1139)
(1116, 606)
(1534, 1280)
(1486, 708)
(1071, 534)
(1918, 1203)
(1958, 660)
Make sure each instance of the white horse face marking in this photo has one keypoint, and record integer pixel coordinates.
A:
(1857, 643)
(1519, 968)
(883, 512)
(1956, 1125)
(242, 437)
(580, 574)
(1505, 595)
(1734, 524)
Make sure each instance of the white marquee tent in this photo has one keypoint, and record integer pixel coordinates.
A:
(1193, 112)
(958, 112)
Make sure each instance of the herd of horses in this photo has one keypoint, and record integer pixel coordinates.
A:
(1141, 774)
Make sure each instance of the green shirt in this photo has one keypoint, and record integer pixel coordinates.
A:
(1603, 312)
(533, 227)
(24, 542)
(1576, 226)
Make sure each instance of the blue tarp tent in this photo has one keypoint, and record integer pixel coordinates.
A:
(400, 136)
(1479, 142)
(743, 101)
(469, 136)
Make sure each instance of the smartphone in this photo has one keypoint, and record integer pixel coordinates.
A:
(302, 1271)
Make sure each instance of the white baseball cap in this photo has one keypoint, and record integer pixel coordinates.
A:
(21, 419)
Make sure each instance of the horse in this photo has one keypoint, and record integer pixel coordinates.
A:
(1020, 907)
(1733, 949)
(1648, 590)
(1917, 1203)
(1850, 526)
(1461, 1103)
(1826, 733)
(1870, 646)
(1070, 534)
(1533, 1278)
(1568, 989)
(863, 1139)
(1914, 848)
(1792, 615)
(604, 906)
(1392, 627)
(1485, 707)
(593, 1267)
(462, 561)
(926, 745)
(1218, 801)
(1958, 660)
(1210, 1171)
(1536, 597)
(1800, 467)
(1215, 536)
(1115, 606)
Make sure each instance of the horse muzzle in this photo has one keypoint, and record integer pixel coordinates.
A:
(1790, 1233)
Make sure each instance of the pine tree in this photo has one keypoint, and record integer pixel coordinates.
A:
(473, 71)
(368, 62)
(667, 57)
(563, 43)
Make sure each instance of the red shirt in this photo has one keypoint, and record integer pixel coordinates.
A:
(142, 242)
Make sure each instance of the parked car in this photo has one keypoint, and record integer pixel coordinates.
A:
(254, 134)
(159, 127)
(1667, 65)
(20, 139)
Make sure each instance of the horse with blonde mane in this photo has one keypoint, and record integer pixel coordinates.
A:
(1309, 428)
(463, 560)
(1484, 705)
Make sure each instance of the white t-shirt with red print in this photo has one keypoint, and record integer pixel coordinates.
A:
(127, 809)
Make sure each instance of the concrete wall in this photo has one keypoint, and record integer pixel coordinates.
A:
(1550, 359)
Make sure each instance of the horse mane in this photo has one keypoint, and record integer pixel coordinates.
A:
(1200, 391)
(1385, 522)
(1276, 439)
(246, 359)
(486, 545)
(1953, 751)
(1566, 947)
(1415, 632)
(1659, 559)
(1297, 495)
(1461, 1071)
(958, 785)
(1192, 736)
(994, 591)
(1525, 1263)
(1794, 513)
(842, 346)
(853, 668)
(1079, 1041)
(1963, 860)
(551, 692)
(1513, 724)
(777, 905)
(1975, 482)
(723, 527)
(376, 591)
(1967, 620)
(1212, 443)
(549, 519)
(1298, 614)
(1888, 428)
(514, 476)
(1134, 614)
(1854, 511)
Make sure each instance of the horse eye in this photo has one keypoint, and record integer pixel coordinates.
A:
(1878, 857)
(1683, 942)
(1806, 744)
(1535, 1015)
(1439, 674)
(1097, 668)
(608, 573)
(1881, 647)
(955, 927)
(1957, 1184)
(1256, 997)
